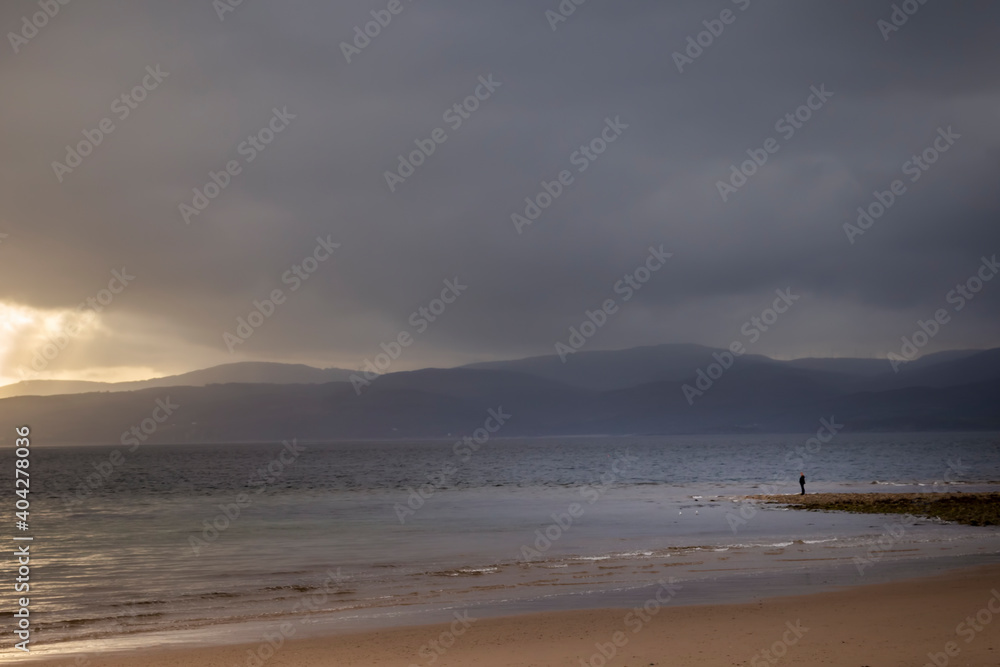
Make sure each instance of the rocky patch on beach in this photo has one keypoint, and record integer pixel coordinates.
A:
(974, 509)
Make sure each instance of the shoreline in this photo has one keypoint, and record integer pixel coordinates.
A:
(895, 623)
(780, 553)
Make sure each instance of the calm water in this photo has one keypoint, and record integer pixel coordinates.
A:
(179, 544)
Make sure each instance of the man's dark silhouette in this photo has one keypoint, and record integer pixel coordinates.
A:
(802, 483)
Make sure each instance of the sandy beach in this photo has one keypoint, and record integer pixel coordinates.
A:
(903, 624)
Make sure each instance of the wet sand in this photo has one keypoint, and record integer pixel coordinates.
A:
(953, 617)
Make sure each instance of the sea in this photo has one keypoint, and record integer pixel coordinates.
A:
(191, 545)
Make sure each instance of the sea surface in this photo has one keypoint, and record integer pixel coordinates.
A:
(173, 545)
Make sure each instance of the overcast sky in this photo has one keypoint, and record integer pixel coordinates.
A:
(323, 175)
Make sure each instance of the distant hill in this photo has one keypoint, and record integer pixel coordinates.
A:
(847, 366)
(876, 367)
(964, 369)
(961, 392)
(247, 371)
(618, 369)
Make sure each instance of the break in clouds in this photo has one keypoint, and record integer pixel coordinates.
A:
(321, 169)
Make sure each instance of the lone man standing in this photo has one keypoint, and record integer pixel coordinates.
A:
(802, 483)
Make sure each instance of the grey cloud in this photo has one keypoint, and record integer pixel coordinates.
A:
(324, 175)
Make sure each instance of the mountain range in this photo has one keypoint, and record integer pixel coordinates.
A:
(255, 372)
(665, 389)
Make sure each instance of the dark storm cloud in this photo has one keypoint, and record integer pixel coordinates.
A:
(323, 175)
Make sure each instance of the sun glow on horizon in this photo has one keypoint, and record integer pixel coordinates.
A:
(32, 339)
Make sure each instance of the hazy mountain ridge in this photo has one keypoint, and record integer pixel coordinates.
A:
(618, 369)
(246, 371)
(958, 392)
